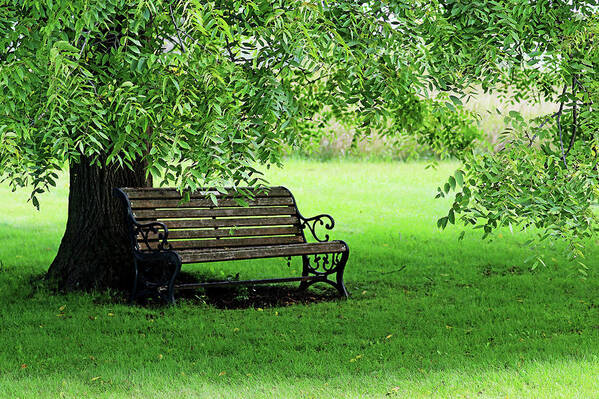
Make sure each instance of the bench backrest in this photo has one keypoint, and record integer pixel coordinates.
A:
(269, 217)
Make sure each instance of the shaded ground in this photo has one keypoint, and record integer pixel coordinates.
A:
(247, 296)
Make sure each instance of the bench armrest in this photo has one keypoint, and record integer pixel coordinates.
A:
(314, 221)
(144, 233)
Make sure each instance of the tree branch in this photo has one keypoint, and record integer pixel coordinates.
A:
(533, 138)
(170, 6)
(84, 44)
(574, 115)
(231, 55)
(559, 124)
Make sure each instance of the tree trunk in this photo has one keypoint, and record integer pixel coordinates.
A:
(94, 252)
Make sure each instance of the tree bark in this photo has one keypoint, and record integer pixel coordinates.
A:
(94, 252)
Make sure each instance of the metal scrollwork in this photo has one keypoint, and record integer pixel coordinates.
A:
(149, 231)
(324, 264)
(321, 266)
(313, 222)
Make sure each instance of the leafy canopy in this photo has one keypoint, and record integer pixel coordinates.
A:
(200, 90)
(205, 90)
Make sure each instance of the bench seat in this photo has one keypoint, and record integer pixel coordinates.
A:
(270, 251)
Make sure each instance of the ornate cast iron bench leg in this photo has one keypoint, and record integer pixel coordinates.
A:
(305, 272)
(339, 275)
(324, 266)
(174, 260)
(155, 276)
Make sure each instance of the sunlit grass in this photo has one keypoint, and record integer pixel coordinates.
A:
(428, 316)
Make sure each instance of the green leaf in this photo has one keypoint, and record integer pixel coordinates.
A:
(459, 177)
(442, 223)
(141, 63)
(452, 182)
(456, 101)
(66, 46)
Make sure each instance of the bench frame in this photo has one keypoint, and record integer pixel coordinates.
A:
(316, 267)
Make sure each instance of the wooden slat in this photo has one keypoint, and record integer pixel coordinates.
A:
(232, 232)
(196, 256)
(233, 242)
(168, 192)
(242, 222)
(226, 212)
(206, 203)
(181, 213)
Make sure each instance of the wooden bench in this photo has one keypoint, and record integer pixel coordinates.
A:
(166, 231)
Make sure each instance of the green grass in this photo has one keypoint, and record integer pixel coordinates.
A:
(463, 319)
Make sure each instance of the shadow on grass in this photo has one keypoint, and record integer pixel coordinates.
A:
(223, 297)
(251, 296)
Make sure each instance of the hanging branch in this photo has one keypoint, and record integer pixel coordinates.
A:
(170, 6)
(84, 44)
(574, 115)
(559, 124)
(533, 138)
(230, 51)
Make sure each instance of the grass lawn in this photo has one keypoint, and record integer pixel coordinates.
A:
(462, 319)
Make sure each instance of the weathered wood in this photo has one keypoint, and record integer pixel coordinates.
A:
(207, 203)
(225, 212)
(184, 213)
(231, 242)
(232, 232)
(162, 193)
(243, 222)
(275, 251)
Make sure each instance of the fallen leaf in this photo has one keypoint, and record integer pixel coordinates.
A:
(160, 357)
(95, 378)
(393, 391)
(110, 314)
(63, 307)
(355, 358)
(23, 366)
(222, 373)
(388, 336)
